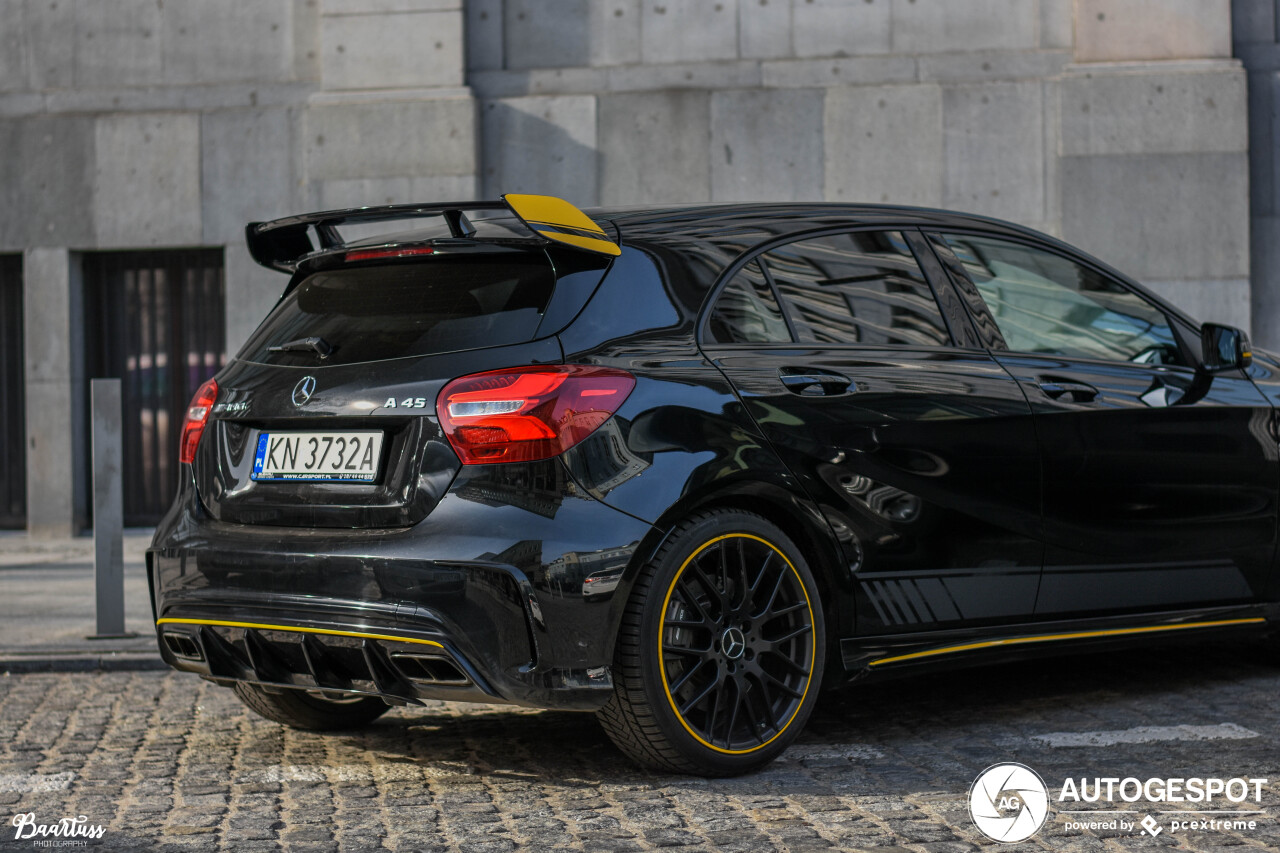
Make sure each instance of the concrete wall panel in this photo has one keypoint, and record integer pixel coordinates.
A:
(541, 145)
(147, 180)
(692, 75)
(565, 33)
(14, 52)
(994, 150)
(306, 40)
(689, 32)
(1161, 217)
(546, 33)
(884, 144)
(1265, 265)
(841, 71)
(764, 29)
(388, 51)
(374, 191)
(615, 32)
(766, 145)
(483, 29)
(363, 7)
(1120, 30)
(248, 170)
(50, 36)
(391, 139)
(978, 66)
(654, 147)
(49, 328)
(46, 181)
(1220, 301)
(245, 40)
(840, 28)
(1253, 21)
(945, 26)
(1180, 112)
(1057, 23)
(118, 43)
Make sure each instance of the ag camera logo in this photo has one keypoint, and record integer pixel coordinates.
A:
(1008, 802)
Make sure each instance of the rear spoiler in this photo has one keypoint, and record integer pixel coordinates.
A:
(282, 243)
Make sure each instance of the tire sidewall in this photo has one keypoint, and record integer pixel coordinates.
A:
(684, 544)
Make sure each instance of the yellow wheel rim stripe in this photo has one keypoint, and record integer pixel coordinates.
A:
(662, 667)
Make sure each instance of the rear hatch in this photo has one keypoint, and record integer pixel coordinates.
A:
(326, 418)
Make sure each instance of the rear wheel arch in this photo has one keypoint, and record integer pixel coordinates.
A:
(796, 517)
(764, 653)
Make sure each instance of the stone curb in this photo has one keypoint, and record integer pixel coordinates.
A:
(88, 662)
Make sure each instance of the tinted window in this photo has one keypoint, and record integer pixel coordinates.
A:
(860, 288)
(746, 311)
(1046, 303)
(381, 312)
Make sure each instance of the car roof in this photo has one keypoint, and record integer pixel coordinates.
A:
(733, 221)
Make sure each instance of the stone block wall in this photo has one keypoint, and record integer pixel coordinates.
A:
(134, 124)
(1118, 124)
(1256, 37)
(1122, 125)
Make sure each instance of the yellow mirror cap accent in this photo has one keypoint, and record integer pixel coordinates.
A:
(557, 219)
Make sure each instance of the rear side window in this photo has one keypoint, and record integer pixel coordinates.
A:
(859, 288)
(746, 311)
(397, 310)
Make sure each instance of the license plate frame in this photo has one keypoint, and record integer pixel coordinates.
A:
(309, 456)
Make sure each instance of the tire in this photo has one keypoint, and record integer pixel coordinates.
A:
(302, 710)
(715, 673)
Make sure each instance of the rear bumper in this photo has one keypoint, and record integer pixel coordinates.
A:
(509, 591)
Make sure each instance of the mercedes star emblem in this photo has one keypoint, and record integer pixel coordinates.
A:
(303, 390)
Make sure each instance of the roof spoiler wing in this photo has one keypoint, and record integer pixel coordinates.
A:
(282, 243)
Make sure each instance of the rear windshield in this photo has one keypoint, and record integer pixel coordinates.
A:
(408, 309)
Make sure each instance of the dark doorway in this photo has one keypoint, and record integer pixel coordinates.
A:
(155, 320)
(13, 428)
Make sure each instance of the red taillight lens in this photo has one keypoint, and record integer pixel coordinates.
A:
(523, 414)
(197, 417)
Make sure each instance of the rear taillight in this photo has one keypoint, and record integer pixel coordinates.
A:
(197, 417)
(523, 414)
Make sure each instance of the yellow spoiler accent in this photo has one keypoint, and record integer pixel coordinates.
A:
(557, 219)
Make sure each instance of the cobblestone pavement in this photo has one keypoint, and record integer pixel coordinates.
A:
(166, 761)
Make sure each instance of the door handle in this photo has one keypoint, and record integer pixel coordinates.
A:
(813, 382)
(1076, 392)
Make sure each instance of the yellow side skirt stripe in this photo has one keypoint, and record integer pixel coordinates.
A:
(359, 634)
(1047, 638)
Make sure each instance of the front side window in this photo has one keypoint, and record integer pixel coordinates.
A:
(1046, 303)
(862, 288)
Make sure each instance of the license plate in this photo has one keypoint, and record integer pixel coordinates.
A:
(318, 456)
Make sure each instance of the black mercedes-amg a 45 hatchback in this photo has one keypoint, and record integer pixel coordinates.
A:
(685, 467)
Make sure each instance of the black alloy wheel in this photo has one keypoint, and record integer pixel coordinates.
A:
(721, 650)
(736, 646)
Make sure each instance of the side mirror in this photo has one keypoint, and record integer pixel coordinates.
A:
(1224, 348)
